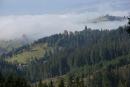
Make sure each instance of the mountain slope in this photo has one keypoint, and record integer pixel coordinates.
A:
(32, 53)
(60, 54)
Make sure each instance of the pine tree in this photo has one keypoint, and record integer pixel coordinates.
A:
(45, 85)
(1, 80)
(51, 84)
(82, 81)
(70, 81)
(61, 83)
(77, 82)
(40, 84)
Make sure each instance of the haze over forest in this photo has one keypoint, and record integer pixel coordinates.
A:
(37, 19)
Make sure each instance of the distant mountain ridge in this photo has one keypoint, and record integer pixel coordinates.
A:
(107, 18)
(6, 46)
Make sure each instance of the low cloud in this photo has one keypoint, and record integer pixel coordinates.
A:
(37, 26)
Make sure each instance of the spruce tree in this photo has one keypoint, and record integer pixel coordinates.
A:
(128, 27)
(61, 83)
(40, 84)
(51, 84)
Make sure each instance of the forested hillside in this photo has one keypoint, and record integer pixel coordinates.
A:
(6, 46)
(88, 58)
(85, 48)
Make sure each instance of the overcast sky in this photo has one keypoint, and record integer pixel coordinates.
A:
(39, 18)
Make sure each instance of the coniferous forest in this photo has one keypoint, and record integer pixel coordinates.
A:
(87, 58)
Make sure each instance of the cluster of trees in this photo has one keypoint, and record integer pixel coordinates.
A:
(70, 82)
(13, 81)
(108, 77)
(7, 68)
(41, 84)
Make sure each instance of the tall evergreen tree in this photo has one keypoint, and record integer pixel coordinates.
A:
(51, 84)
(61, 83)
